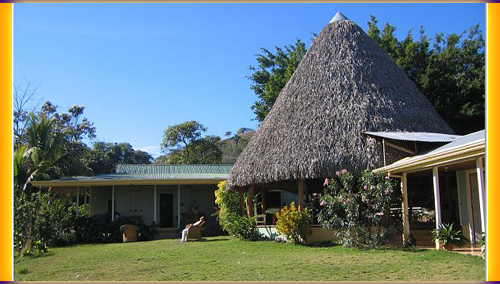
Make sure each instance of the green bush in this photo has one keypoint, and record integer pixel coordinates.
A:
(357, 207)
(447, 235)
(294, 223)
(231, 218)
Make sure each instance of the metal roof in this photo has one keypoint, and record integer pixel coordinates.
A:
(416, 136)
(460, 141)
(463, 148)
(140, 172)
(338, 17)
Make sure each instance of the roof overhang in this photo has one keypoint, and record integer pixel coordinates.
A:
(83, 183)
(415, 136)
(462, 153)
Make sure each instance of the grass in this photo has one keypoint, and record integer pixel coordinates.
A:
(228, 259)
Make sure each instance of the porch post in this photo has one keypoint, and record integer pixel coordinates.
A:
(242, 200)
(480, 187)
(250, 201)
(437, 199)
(154, 203)
(472, 228)
(77, 201)
(406, 221)
(85, 195)
(90, 201)
(263, 200)
(112, 203)
(300, 196)
(178, 206)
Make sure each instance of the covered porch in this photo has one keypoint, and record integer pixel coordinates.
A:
(169, 196)
(445, 185)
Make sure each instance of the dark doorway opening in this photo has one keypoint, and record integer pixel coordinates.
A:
(166, 210)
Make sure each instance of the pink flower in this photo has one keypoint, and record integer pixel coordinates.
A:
(344, 171)
(321, 203)
(386, 191)
(365, 187)
(379, 214)
(327, 182)
(337, 173)
(314, 194)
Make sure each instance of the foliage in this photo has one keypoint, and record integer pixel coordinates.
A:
(447, 235)
(357, 207)
(272, 73)
(233, 146)
(231, 218)
(294, 222)
(448, 69)
(103, 157)
(184, 144)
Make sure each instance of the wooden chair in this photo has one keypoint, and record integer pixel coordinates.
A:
(260, 219)
(130, 233)
(194, 232)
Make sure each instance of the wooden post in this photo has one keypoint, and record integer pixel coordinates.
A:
(250, 200)
(77, 200)
(383, 151)
(154, 204)
(263, 200)
(90, 201)
(480, 187)
(178, 206)
(300, 197)
(437, 199)
(112, 203)
(406, 221)
(242, 199)
(85, 196)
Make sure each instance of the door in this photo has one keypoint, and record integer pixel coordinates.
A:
(475, 207)
(166, 210)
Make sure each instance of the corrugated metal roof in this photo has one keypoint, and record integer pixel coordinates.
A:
(173, 169)
(160, 172)
(460, 141)
(416, 136)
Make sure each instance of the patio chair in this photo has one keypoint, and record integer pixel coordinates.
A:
(130, 233)
(194, 232)
(260, 219)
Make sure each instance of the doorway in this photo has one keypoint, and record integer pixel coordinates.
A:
(166, 210)
(474, 206)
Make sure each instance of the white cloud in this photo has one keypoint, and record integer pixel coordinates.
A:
(153, 150)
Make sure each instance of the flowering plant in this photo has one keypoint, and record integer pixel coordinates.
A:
(357, 207)
(294, 222)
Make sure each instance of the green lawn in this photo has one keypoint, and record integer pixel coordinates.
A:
(225, 258)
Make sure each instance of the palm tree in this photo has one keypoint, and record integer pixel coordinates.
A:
(42, 153)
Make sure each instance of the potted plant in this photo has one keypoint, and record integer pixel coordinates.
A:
(483, 245)
(448, 237)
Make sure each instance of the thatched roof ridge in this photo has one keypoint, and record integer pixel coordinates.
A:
(344, 86)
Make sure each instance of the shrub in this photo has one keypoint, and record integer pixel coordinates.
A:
(357, 207)
(231, 218)
(294, 223)
(447, 235)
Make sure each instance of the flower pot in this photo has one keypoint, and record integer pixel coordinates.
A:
(448, 247)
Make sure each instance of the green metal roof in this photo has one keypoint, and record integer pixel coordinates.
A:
(141, 172)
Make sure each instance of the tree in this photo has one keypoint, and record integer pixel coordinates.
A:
(104, 157)
(272, 73)
(184, 144)
(448, 69)
(450, 72)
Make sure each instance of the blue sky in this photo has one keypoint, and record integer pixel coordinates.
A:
(138, 68)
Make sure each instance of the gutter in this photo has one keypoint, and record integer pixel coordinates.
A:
(70, 183)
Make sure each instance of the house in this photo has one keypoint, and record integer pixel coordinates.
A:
(345, 88)
(453, 177)
(169, 195)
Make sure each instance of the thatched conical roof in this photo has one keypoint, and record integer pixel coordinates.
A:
(345, 85)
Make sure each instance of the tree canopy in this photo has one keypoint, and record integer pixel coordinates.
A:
(183, 144)
(104, 157)
(448, 69)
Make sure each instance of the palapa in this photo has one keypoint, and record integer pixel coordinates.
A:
(344, 86)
